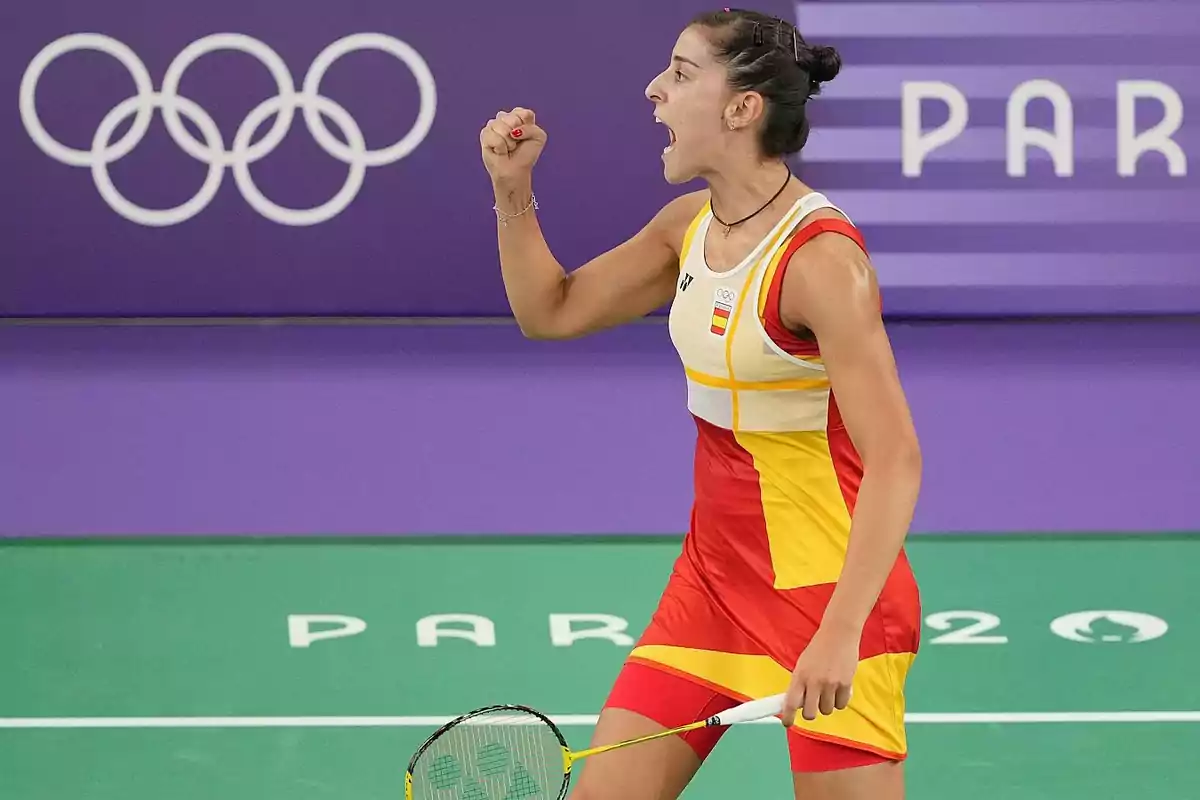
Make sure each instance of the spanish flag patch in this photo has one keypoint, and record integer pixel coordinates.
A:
(722, 309)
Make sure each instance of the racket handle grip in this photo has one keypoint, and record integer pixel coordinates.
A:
(749, 712)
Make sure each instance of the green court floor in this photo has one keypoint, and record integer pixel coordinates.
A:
(1050, 668)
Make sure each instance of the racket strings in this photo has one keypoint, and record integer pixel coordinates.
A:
(495, 755)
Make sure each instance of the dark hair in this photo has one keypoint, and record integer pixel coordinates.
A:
(767, 55)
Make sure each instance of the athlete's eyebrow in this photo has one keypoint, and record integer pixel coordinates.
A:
(685, 61)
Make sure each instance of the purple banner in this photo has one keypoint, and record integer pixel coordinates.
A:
(991, 151)
(237, 158)
(1039, 427)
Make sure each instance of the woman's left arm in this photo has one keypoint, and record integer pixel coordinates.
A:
(831, 289)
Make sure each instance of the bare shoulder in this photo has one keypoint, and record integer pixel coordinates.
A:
(828, 276)
(673, 221)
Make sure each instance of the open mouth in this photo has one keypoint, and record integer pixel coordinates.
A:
(670, 134)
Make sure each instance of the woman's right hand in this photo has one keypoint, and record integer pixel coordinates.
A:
(511, 144)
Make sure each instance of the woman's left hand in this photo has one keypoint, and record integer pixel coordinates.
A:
(822, 680)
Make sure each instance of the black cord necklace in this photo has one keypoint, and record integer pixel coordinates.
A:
(729, 225)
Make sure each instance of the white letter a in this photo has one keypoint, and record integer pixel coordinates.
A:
(482, 631)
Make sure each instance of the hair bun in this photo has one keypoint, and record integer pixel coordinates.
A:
(824, 63)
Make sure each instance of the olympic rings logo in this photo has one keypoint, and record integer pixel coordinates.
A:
(212, 150)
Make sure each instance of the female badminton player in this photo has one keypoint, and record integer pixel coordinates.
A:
(792, 576)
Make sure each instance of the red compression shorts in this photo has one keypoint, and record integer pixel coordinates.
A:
(671, 701)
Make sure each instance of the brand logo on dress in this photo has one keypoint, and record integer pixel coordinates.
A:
(723, 300)
(686, 282)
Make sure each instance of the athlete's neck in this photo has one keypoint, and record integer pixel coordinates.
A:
(736, 194)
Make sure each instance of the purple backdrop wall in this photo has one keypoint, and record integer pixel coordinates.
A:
(959, 232)
(408, 430)
(394, 430)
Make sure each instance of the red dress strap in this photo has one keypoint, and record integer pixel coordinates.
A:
(788, 341)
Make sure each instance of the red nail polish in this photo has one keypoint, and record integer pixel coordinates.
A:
(518, 133)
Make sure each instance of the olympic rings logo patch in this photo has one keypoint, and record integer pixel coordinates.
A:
(213, 151)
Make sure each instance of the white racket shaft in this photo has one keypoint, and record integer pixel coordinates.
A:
(749, 712)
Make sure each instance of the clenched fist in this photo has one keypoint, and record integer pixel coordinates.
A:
(511, 144)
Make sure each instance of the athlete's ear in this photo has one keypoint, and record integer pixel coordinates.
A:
(743, 110)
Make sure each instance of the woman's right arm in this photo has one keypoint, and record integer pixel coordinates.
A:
(628, 282)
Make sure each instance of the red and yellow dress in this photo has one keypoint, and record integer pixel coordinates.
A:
(776, 477)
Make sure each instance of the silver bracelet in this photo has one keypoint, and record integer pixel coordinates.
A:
(504, 218)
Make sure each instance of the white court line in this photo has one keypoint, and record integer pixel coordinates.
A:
(566, 720)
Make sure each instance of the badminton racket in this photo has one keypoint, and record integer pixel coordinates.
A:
(513, 751)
